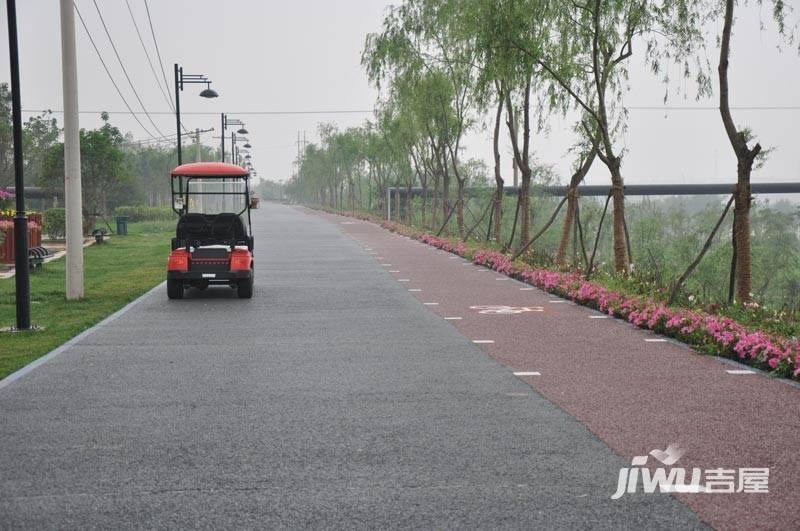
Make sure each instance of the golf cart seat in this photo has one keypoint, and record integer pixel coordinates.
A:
(212, 229)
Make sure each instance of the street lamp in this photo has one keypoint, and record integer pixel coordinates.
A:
(180, 80)
(22, 283)
(232, 122)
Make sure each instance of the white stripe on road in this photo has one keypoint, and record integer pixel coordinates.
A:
(483, 341)
(655, 340)
(416, 290)
(453, 318)
(431, 303)
(598, 317)
(740, 371)
(527, 373)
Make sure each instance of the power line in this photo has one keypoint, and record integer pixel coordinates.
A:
(209, 113)
(366, 111)
(110, 77)
(124, 70)
(147, 54)
(158, 53)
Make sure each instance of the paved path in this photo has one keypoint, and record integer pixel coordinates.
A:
(636, 391)
(334, 398)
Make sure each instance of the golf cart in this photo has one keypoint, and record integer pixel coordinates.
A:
(212, 244)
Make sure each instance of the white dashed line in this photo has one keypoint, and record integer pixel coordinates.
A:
(559, 301)
(598, 317)
(404, 280)
(386, 265)
(527, 373)
(431, 303)
(415, 290)
(740, 371)
(483, 341)
(655, 340)
(453, 318)
(526, 289)
(394, 271)
(502, 278)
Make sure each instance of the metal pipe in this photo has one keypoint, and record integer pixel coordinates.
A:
(643, 189)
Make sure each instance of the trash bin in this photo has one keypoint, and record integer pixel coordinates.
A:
(122, 225)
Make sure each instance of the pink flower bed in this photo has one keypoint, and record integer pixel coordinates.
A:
(712, 334)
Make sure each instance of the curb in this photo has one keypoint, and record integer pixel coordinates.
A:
(14, 376)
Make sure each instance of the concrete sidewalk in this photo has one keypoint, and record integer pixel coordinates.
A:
(333, 398)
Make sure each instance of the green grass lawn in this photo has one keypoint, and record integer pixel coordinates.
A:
(116, 272)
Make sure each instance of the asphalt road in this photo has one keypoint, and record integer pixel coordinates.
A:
(333, 398)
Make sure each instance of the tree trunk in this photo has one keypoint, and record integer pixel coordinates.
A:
(618, 191)
(460, 209)
(524, 208)
(572, 202)
(498, 179)
(745, 158)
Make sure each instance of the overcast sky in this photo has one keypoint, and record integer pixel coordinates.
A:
(267, 55)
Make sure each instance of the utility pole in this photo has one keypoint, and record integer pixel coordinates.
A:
(73, 200)
(22, 279)
(198, 155)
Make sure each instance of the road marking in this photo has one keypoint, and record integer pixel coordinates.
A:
(740, 371)
(367, 249)
(467, 263)
(526, 289)
(559, 301)
(404, 280)
(483, 341)
(416, 290)
(386, 265)
(502, 278)
(454, 257)
(527, 373)
(655, 340)
(506, 310)
(453, 318)
(431, 303)
(598, 317)
(394, 271)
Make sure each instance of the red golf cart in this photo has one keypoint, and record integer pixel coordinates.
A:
(213, 244)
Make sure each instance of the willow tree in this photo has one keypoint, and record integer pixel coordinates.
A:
(741, 140)
(416, 43)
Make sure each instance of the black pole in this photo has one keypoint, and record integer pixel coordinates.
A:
(178, 72)
(22, 277)
(233, 147)
(222, 135)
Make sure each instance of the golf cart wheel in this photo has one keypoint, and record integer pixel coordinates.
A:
(245, 289)
(174, 289)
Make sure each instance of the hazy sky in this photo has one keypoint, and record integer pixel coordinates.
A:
(305, 56)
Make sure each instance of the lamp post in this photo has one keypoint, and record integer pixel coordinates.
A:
(232, 122)
(180, 80)
(22, 281)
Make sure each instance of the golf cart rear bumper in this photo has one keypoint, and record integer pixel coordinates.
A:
(217, 276)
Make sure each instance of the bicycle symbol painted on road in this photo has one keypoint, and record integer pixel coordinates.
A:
(506, 310)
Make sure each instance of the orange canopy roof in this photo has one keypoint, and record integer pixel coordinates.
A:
(209, 169)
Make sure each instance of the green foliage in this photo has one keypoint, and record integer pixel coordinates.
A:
(55, 224)
(145, 213)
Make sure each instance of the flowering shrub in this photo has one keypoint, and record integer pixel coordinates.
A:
(708, 333)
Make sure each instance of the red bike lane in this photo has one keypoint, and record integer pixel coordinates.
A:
(635, 390)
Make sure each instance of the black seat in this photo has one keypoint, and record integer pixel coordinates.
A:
(211, 229)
